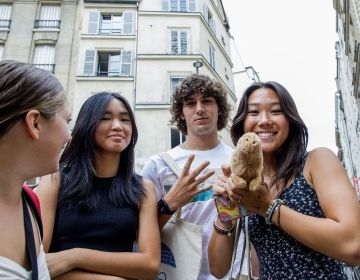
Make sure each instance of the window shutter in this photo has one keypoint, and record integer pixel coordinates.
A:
(165, 5)
(93, 24)
(205, 12)
(128, 23)
(174, 5)
(192, 7)
(89, 62)
(182, 7)
(174, 48)
(126, 62)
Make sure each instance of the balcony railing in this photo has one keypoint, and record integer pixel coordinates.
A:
(47, 67)
(47, 24)
(5, 23)
(110, 31)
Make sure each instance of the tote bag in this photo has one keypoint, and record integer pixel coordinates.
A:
(181, 243)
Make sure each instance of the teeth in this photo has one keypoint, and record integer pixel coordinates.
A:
(264, 134)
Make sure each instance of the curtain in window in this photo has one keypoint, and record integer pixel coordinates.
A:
(44, 57)
(49, 16)
(5, 15)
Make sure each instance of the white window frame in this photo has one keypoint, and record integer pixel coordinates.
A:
(179, 44)
(1, 52)
(91, 63)
(212, 56)
(48, 14)
(44, 57)
(124, 25)
(172, 87)
(178, 5)
(5, 15)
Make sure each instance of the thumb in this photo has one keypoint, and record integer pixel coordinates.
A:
(226, 170)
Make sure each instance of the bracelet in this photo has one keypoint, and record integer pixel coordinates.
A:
(220, 230)
(271, 209)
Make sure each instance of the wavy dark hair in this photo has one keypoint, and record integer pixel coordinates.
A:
(78, 160)
(290, 156)
(193, 84)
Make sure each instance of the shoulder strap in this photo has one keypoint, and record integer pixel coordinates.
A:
(170, 162)
(35, 205)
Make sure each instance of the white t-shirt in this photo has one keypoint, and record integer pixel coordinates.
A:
(202, 209)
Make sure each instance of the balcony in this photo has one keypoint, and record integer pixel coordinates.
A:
(47, 67)
(47, 24)
(5, 23)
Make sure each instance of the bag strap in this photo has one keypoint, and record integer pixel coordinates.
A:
(247, 242)
(236, 241)
(170, 162)
(30, 241)
(34, 203)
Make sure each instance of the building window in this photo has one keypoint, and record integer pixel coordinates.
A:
(179, 42)
(1, 52)
(209, 18)
(178, 5)
(49, 17)
(5, 16)
(111, 24)
(108, 63)
(44, 57)
(177, 137)
(212, 56)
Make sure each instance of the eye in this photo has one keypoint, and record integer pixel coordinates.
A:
(276, 112)
(252, 112)
(105, 118)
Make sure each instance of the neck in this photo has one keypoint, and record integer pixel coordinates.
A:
(107, 165)
(202, 143)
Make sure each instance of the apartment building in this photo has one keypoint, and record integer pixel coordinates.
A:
(348, 86)
(140, 49)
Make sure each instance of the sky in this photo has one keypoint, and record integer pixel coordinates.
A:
(291, 42)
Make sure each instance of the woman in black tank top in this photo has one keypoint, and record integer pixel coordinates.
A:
(100, 217)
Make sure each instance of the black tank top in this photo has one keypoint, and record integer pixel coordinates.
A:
(108, 228)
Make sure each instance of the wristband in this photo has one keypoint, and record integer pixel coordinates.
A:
(163, 208)
(220, 230)
(271, 210)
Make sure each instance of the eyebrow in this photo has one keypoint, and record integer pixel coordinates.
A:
(122, 113)
(271, 103)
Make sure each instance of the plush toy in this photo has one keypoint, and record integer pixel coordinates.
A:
(247, 162)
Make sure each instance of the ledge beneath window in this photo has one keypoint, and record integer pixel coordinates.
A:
(101, 36)
(150, 106)
(113, 1)
(103, 78)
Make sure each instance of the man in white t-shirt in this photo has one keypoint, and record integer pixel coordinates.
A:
(199, 109)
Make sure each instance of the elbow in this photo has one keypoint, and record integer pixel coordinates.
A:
(152, 270)
(217, 273)
(352, 253)
(217, 270)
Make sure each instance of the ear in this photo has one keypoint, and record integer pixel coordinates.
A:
(32, 123)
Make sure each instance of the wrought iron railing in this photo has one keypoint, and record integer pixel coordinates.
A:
(47, 24)
(5, 23)
(47, 67)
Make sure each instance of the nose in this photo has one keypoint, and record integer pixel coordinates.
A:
(199, 107)
(116, 124)
(264, 119)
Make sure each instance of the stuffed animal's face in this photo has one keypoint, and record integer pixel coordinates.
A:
(249, 147)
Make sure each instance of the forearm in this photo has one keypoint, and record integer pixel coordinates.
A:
(220, 251)
(128, 264)
(77, 274)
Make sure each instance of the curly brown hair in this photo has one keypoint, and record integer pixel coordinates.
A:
(196, 83)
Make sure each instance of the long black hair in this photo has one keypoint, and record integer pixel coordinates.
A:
(290, 156)
(78, 160)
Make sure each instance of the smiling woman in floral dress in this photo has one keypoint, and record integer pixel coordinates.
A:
(308, 216)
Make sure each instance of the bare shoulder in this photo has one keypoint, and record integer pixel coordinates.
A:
(321, 154)
(148, 186)
(49, 183)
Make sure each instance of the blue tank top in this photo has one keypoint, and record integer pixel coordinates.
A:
(107, 228)
(283, 257)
